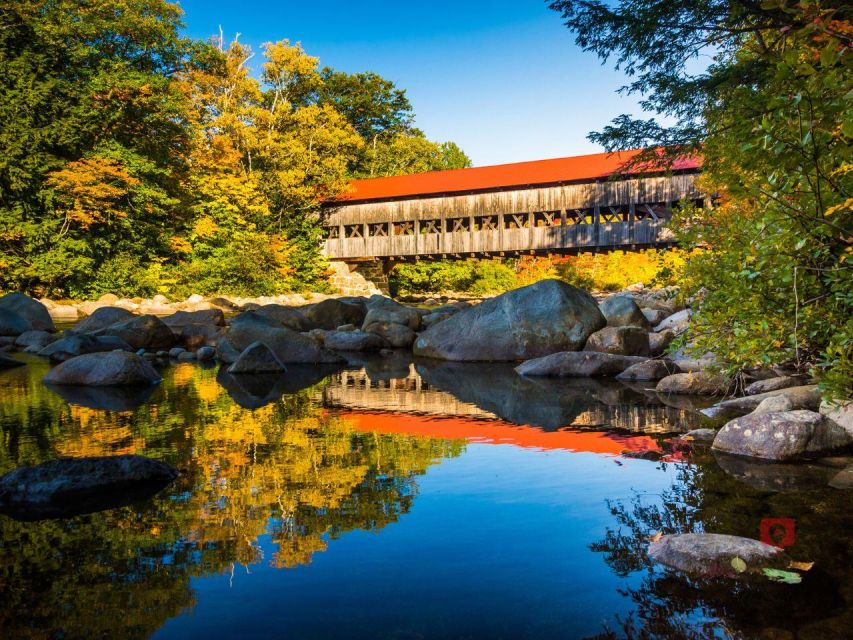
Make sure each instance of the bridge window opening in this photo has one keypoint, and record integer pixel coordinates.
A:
(353, 231)
(458, 225)
(404, 228)
(580, 216)
(614, 214)
(653, 212)
(546, 219)
(486, 223)
(430, 226)
(334, 233)
(378, 230)
(517, 221)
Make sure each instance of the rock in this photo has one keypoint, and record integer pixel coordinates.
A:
(195, 336)
(382, 310)
(649, 370)
(805, 397)
(654, 316)
(773, 404)
(703, 383)
(33, 311)
(223, 303)
(186, 356)
(105, 398)
(398, 336)
(773, 384)
(332, 313)
(620, 341)
(648, 454)
(142, 332)
(65, 312)
(113, 368)
(658, 342)
(620, 310)
(12, 324)
(436, 316)
(547, 317)
(677, 322)
(74, 344)
(289, 317)
(195, 299)
(174, 352)
(8, 363)
(256, 358)
(205, 354)
(704, 436)
(355, 341)
(843, 479)
(288, 346)
(108, 298)
(578, 364)
(101, 318)
(213, 317)
(783, 436)
(36, 339)
(73, 486)
(840, 413)
(710, 555)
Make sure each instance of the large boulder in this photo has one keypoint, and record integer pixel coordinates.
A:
(72, 486)
(398, 336)
(804, 397)
(621, 341)
(547, 317)
(101, 318)
(700, 383)
(34, 340)
(111, 369)
(649, 370)
(677, 322)
(620, 310)
(181, 319)
(355, 341)
(290, 317)
(714, 555)
(782, 436)
(331, 314)
(256, 358)
(142, 332)
(33, 311)
(196, 336)
(381, 309)
(290, 347)
(74, 344)
(577, 364)
(13, 324)
(655, 316)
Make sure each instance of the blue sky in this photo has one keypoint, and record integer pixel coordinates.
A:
(502, 78)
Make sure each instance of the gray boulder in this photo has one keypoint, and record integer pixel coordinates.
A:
(33, 311)
(701, 383)
(547, 317)
(34, 340)
(710, 555)
(773, 384)
(577, 364)
(332, 313)
(290, 317)
(782, 436)
(677, 322)
(12, 324)
(211, 317)
(74, 344)
(111, 369)
(142, 332)
(841, 413)
(289, 347)
(8, 363)
(702, 436)
(384, 310)
(73, 486)
(355, 341)
(102, 318)
(620, 310)
(649, 370)
(655, 316)
(805, 397)
(658, 342)
(621, 341)
(205, 354)
(773, 404)
(398, 336)
(256, 358)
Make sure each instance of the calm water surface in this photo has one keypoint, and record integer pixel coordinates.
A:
(402, 500)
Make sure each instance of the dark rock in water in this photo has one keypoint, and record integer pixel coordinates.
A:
(354, 341)
(805, 397)
(34, 340)
(74, 344)
(142, 332)
(621, 341)
(547, 317)
(397, 336)
(782, 435)
(652, 456)
(195, 336)
(288, 346)
(12, 324)
(211, 317)
(104, 398)
(775, 477)
(33, 311)
(290, 317)
(331, 314)
(102, 318)
(257, 358)
(620, 310)
(205, 354)
(710, 555)
(174, 352)
(73, 486)
(578, 364)
(256, 390)
(111, 369)
(8, 363)
(702, 383)
(648, 370)
(702, 436)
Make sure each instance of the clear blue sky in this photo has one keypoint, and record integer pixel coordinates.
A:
(502, 78)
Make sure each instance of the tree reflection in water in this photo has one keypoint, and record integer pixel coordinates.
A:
(289, 469)
(705, 497)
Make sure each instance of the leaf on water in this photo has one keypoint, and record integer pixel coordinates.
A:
(787, 577)
(656, 537)
(801, 566)
(738, 564)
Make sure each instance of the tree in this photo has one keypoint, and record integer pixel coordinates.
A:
(771, 115)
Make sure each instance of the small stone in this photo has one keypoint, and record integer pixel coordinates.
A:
(774, 403)
(205, 354)
(175, 352)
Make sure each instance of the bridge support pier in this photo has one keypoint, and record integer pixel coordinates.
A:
(360, 278)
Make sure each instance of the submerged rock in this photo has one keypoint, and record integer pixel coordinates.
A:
(102, 318)
(72, 486)
(8, 363)
(702, 383)
(782, 435)
(703, 436)
(288, 346)
(104, 398)
(32, 311)
(622, 341)
(710, 555)
(547, 317)
(34, 340)
(578, 364)
(114, 368)
(775, 477)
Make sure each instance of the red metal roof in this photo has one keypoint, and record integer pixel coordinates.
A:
(502, 176)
